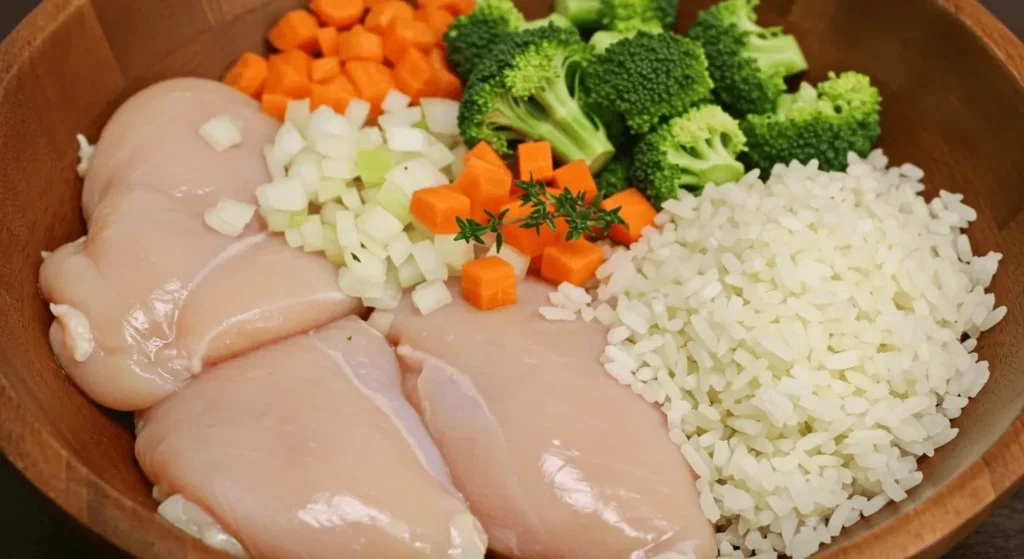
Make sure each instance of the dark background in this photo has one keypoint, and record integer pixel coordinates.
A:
(33, 527)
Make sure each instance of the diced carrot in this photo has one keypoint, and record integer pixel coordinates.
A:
(412, 33)
(489, 283)
(577, 178)
(487, 187)
(382, 15)
(414, 75)
(437, 18)
(248, 75)
(325, 69)
(438, 58)
(535, 161)
(446, 83)
(484, 151)
(339, 13)
(530, 242)
(287, 81)
(372, 3)
(466, 6)
(436, 209)
(373, 80)
(295, 59)
(296, 30)
(453, 6)
(327, 40)
(635, 210)
(359, 44)
(574, 262)
(274, 105)
(335, 93)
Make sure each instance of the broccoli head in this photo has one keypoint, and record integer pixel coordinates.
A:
(650, 78)
(842, 115)
(689, 152)
(528, 89)
(619, 15)
(476, 32)
(748, 63)
(555, 18)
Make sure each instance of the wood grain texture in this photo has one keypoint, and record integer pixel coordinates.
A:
(952, 80)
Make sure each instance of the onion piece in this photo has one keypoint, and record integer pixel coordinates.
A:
(391, 293)
(453, 253)
(379, 225)
(293, 237)
(458, 164)
(221, 132)
(336, 146)
(345, 225)
(288, 143)
(229, 217)
(378, 250)
(400, 248)
(381, 321)
(407, 140)
(354, 285)
(312, 234)
(395, 200)
(333, 250)
(409, 273)
(357, 112)
(430, 263)
(350, 198)
(402, 118)
(298, 113)
(339, 168)
(438, 154)
(430, 296)
(366, 265)
(305, 167)
(275, 167)
(369, 138)
(442, 115)
(394, 101)
(278, 221)
(330, 189)
(285, 195)
(415, 175)
(324, 122)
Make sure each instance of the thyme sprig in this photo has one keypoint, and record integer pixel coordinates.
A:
(581, 217)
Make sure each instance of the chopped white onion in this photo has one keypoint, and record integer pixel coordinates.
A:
(305, 168)
(229, 217)
(391, 293)
(293, 236)
(333, 250)
(355, 285)
(442, 115)
(395, 200)
(409, 274)
(405, 139)
(427, 258)
(381, 321)
(415, 175)
(312, 234)
(345, 225)
(329, 212)
(357, 112)
(85, 151)
(221, 132)
(344, 169)
(400, 248)
(379, 225)
(366, 265)
(274, 166)
(438, 154)
(395, 100)
(350, 198)
(457, 165)
(324, 122)
(401, 118)
(430, 296)
(371, 245)
(336, 146)
(453, 253)
(330, 189)
(519, 261)
(369, 138)
(288, 143)
(285, 195)
(297, 112)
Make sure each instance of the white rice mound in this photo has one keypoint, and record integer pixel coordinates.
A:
(804, 339)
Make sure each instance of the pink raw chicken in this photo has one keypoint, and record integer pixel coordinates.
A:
(556, 459)
(164, 293)
(307, 448)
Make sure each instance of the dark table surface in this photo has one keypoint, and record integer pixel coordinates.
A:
(33, 527)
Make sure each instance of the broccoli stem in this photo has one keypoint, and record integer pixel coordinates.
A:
(708, 162)
(581, 137)
(603, 39)
(779, 54)
(585, 14)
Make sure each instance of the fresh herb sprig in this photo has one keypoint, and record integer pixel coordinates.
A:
(581, 217)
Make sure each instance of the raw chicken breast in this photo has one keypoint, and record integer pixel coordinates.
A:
(554, 456)
(308, 449)
(153, 294)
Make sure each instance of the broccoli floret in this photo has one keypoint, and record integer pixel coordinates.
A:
(842, 115)
(478, 31)
(616, 175)
(555, 18)
(689, 152)
(528, 88)
(650, 78)
(619, 15)
(748, 63)
(603, 39)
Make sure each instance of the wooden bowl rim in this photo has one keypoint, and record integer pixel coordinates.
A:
(972, 492)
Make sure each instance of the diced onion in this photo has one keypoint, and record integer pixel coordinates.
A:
(374, 166)
(229, 217)
(278, 221)
(312, 234)
(305, 168)
(350, 198)
(399, 249)
(381, 321)
(395, 200)
(357, 112)
(329, 212)
(344, 169)
(408, 140)
(325, 123)
(402, 118)
(430, 263)
(293, 237)
(391, 293)
(336, 146)
(430, 296)
(355, 285)
(415, 175)
(85, 151)
(332, 248)
(457, 165)
(275, 167)
(288, 143)
(395, 100)
(519, 261)
(453, 253)
(285, 195)
(345, 224)
(371, 245)
(442, 115)
(379, 225)
(330, 189)
(438, 154)
(369, 138)
(409, 273)
(221, 133)
(297, 112)
(366, 265)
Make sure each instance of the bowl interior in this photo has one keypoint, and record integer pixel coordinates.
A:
(953, 106)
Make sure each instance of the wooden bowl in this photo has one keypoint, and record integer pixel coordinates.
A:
(951, 76)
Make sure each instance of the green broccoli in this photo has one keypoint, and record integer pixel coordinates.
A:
(689, 152)
(650, 78)
(528, 88)
(748, 63)
(603, 39)
(842, 115)
(476, 32)
(616, 175)
(619, 15)
(555, 18)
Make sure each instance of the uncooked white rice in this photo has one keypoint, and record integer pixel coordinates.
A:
(804, 339)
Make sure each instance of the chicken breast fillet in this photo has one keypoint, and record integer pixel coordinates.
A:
(554, 456)
(307, 449)
(153, 294)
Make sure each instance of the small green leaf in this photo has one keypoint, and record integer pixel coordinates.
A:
(356, 257)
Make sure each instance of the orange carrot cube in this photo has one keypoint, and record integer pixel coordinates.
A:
(489, 283)
(486, 186)
(248, 75)
(436, 208)
(577, 178)
(296, 30)
(635, 210)
(535, 161)
(574, 262)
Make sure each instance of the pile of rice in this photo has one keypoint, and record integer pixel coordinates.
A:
(805, 339)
